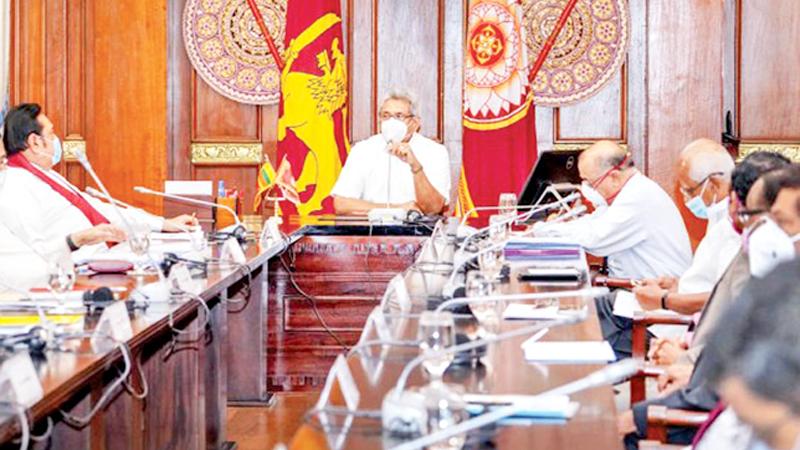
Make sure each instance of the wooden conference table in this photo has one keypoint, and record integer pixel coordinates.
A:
(273, 341)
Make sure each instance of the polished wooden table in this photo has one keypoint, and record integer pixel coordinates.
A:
(505, 372)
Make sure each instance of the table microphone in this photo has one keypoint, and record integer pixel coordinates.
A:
(97, 194)
(610, 374)
(239, 232)
(588, 292)
(400, 409)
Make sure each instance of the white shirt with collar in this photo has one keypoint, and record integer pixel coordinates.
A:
(372, 174)
(41, 218)
(20, 266)
(641, 232)
(712, 257)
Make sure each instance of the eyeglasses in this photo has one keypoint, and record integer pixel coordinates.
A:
(689, 193)
(746, 215)
(594, 184)
(400, 116)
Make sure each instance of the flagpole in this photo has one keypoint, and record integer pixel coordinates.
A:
(264, 31)
(551, 40)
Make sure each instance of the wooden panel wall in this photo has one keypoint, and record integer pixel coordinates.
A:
(101, 79)
(768, 79)
(130, 92)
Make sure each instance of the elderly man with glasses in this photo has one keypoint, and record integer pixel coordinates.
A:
(397, 168)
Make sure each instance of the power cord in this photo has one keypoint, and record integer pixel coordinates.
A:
(313, 302)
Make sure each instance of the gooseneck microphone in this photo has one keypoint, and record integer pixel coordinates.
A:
(610, 374)
(239, 232)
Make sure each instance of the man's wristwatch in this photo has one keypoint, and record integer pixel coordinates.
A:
(417, 170)
(664, 297)
(71, 244)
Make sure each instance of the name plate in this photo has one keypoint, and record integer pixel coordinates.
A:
(19, 382)
(113, 327)
(232, 251)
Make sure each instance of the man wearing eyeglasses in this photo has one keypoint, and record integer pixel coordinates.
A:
(636, 225)
(398, 168)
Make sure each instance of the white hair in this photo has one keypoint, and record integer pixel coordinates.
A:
(404, 96)
(705, 157)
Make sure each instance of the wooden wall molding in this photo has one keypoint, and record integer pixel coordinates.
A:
(572, 146)
(787, 149)
(227, 153)
(72, 147)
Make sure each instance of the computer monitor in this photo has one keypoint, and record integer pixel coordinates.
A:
(556, 168)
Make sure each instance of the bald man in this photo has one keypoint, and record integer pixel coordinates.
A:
(704, 175)
(635, 224)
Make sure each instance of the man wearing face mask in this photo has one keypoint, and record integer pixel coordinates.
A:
(704, 175)
(776, 238)
(397, 168)
(635, 225)
(24, 268)
(38, 205)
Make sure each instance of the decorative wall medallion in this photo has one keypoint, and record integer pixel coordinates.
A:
(589, 50)
(72, 148)
(227, 50)
(789, 150)
(227, 153)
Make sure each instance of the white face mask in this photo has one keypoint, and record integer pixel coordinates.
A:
(768, 246)
(591, 194)
(393, 130)
(718, 211)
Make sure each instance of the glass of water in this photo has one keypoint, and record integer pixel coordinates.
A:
(61, 273)
(487, 314)
(491, 259)
(140, 244)
(507, 204)
(436, 332)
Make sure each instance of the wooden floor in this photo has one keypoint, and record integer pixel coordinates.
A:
(262, 428)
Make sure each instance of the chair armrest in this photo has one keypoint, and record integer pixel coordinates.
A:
(621, 283)
(647, 318)
(638, 382)
(661, 417)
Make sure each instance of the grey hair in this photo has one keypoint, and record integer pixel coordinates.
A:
(403, 96)
(706, 157)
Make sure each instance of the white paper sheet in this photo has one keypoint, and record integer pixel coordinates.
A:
(569, 352)
(520, 311)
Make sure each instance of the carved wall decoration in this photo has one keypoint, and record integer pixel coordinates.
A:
(227, 50)
(789, 150)
(226, 153)
(589, 51)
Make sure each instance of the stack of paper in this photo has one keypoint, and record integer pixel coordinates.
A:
(519, 311)
(533, 406)
(588, 352)
(521, 249)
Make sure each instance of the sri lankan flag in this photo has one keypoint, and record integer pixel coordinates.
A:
(312, 129)
(266, 181)
(498, 118)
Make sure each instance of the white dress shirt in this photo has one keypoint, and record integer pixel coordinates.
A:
(712, 257)
(372, 174)
(39, 216)
(20, 266)
(641, 232)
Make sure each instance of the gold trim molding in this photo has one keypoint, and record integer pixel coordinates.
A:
(572, 146)
(789, 149)
(227, 153)
(72, 147)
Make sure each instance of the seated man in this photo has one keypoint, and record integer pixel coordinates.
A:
(398, 168)
(780, 232)
(696, 394)
(755, 365)
(704, 175)
(22, 268)
(635, 224)
(38, 205)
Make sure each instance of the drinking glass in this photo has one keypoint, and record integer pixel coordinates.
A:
(498, 228)
(61, 273)
(140, 244)
(491, 260)
(436, 332)
(446, 408)
(507, 204)
(488, 314)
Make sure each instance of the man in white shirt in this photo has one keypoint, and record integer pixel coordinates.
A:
(22, 268)
(635, 224)
(398, 168)
(704, 175)
(39, 206)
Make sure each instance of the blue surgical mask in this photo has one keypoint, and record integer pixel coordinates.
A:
(697, 206)
(58, 152)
